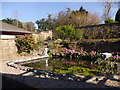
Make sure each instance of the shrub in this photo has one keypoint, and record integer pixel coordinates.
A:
(25, 43)
(66, 31)
(108, 20)
(117, 17)
(106, 66)
(79, 34)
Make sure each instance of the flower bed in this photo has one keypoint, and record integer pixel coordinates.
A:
(93, 55)
(25, 43)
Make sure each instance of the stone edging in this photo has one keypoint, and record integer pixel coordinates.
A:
(48, 74)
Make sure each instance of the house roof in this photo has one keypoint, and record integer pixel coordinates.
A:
(12, 29)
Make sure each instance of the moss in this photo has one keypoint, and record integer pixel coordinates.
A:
(57, 65)
(78, 71)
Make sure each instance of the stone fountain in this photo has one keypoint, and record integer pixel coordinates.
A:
(45, 52)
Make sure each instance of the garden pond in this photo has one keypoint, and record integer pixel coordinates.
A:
(66, 65)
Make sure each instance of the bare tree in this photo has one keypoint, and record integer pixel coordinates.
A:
(107, 10)
(77, 18)
(15, 16)
(29, 26)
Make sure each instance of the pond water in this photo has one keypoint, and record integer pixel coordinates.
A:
(65, 65)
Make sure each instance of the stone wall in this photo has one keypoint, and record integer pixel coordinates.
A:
(7, 49)
(42, 35)
(100, 46)
(101, 31)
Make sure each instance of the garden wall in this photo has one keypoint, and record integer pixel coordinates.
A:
(97, 32)
(7, 49)
(101, 46)
(42, 35)
(102, 31)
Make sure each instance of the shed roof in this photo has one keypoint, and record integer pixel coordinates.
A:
(10, 28)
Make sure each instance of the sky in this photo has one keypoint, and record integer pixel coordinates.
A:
(32, 11)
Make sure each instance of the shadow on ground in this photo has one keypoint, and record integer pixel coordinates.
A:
(20, 81)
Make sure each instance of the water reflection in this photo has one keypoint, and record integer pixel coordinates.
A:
(59, 65)
(46, 62)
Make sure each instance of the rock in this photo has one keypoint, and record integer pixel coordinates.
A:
(95, 78)
(80, 76)
(51, 74)
(18, 68)
(10, 63)
(78, 79)
(42, 71)
(58, 54)
(60, 76)
(64, 75)
(116, 77)
(62, 54)
(86, 78)
(91, 80)
(55, 78)
(118, 68)
(71, 79)
(106, 55)
(53, 54)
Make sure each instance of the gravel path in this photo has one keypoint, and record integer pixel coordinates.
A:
(36, 82)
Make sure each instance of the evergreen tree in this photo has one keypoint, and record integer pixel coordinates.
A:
(8, 20)
(42, 25)
(117, 17)
(14, 22)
